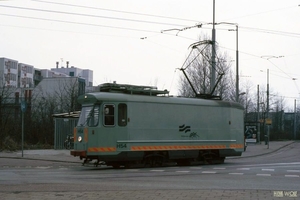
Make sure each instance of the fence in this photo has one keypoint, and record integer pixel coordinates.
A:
(64, 125)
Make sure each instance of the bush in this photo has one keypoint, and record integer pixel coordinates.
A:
(8, 144)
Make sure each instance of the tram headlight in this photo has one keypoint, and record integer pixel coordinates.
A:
(79, 139)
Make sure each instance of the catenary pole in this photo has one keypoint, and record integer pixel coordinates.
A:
(213, 52)
(268, 127)
(295, 121)
(258, 123)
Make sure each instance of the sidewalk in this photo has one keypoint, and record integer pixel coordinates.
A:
(43, 154)
(255, 149)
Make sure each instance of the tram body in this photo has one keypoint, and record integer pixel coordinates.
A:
(118, 128)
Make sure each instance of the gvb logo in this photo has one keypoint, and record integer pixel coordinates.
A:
(187, 129)
(184, 128)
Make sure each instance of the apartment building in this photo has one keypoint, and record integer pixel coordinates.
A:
(8, 73)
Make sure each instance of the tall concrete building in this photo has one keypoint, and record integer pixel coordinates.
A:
(8, 73)
(14, 74)
(25, 75)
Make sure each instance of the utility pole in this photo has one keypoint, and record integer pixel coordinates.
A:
(258, 123)
(213, 53)
(237, 64)
(295, 121)
(268, 127)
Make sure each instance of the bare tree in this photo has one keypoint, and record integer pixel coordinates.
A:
(67, 93)
(52, 97)
(9, 113)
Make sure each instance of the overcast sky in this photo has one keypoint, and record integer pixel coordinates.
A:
(122, 40)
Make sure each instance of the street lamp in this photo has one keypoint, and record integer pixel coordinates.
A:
(237, 60)
(268, 57)
(237, 55)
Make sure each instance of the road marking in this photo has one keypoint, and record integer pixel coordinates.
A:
(43, 167)
(243, 168)
(293, 170)
(219, 168)
(132, 170)
(270, 170)
(195, 167)
(293, 176)
(209, 172)
(157, 170)
(183, 171)
(263, 174)
(236, 173)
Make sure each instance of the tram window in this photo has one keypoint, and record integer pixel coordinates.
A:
(93, 118)
(109, 115)
(122, 117)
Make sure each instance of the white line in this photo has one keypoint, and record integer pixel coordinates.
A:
(183, 171)
(270, 170)
(219, 168)
(132, 170)
(157, 170)
(43, 167)
(236, 173)
(243, 168)
(294, 176)
(209, 172)
(195, 167)
(62, 168)
(263, 174)
(293, 170)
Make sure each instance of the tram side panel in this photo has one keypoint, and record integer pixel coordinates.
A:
(166, 126)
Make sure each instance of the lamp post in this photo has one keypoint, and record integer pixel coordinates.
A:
(237, 62)
(237, 56)
(268, 57)
(268, 133)
(213, 53)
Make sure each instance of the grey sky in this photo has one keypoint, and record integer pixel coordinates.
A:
(121, 40)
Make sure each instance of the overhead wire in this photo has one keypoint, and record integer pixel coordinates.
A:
(79, 23)
(274, 32)
(259, 13)
(118, 11)
(89, 15)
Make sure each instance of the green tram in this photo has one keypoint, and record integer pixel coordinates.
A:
(123, 125)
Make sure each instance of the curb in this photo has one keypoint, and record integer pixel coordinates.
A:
(262, 154)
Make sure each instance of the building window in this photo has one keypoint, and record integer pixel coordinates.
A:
(71, 73)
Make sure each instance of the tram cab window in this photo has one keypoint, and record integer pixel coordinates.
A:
(93, 117)
(109, 115)
(89, 116)
(122, 114)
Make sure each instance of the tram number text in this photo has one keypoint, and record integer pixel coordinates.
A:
(121, 145)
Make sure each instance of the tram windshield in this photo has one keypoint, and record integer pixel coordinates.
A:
(89, 116)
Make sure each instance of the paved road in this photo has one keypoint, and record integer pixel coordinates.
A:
(39, 177)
